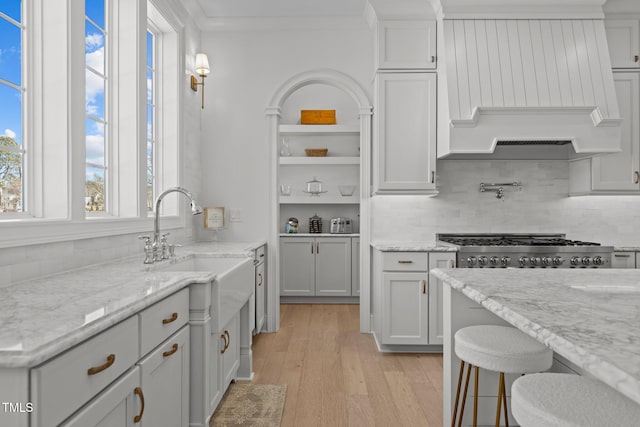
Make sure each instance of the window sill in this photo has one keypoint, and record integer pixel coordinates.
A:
(15, 233)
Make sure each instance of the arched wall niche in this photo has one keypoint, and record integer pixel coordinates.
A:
(359, 112)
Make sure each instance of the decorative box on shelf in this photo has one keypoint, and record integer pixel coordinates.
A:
(318, 117)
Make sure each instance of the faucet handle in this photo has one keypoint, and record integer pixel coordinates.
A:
(148, 249)
(163, 236)
(172, 249)
(146, 238)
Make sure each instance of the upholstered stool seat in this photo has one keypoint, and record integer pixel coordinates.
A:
(500, 349)
(539, 400)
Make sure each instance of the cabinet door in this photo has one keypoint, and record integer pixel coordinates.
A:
(405, 133)
(619, 171)
(637, 259)
(165, 381)
(436, 316)
(333, 266)
(405, 308)
(215, 383)
(261, 283)
(230, 360)
(116, 406)
(406, 44)
(355, 267)
(623, 260)
(623, 38)
(297, 268)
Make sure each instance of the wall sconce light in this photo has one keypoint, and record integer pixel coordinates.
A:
(202, 68)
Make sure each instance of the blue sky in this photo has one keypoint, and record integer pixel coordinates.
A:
(10, 71)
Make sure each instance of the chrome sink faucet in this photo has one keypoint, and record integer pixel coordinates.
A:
(156, 248)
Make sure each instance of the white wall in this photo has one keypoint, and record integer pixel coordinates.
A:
(542, 206)
(247, 68)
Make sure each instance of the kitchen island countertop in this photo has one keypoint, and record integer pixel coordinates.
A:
(42, 317)
(589, 316)
(412, 246)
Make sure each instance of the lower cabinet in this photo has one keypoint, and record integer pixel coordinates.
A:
(230, 353)
(623, 260)
(355, 266)
(104, 381)
(315, 266)
(260, 289)
(165, 382)
(117, 406)
(409, 306)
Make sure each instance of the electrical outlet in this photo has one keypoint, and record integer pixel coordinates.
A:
(235, 215)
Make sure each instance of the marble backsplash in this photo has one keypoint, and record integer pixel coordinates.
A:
(542, 206)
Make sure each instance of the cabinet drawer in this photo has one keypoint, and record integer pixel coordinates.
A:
(61, 386)
(405, 261)
(260, 255)
(162, 319)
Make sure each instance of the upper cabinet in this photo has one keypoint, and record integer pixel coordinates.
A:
(406, 45)
(616, 173)
(404, 134)
(623, 37)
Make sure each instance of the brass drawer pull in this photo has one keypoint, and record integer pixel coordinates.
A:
(224, 337)
(636, 177)
(138, 392)
(260, 275)
(96, 369)
(636, 58)
(168, 353)
(452, 264)
(261, 255)
(173, 317)
(433, 58)
(622, 255)
(228, 339)
(424, 286)
(405, 262)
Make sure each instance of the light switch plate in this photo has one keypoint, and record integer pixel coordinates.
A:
(235, 215)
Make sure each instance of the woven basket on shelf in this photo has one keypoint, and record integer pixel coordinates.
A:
(316, 152)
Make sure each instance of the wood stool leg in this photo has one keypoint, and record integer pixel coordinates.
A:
(464, 395)
(500, 393)
(504, 401)
(455, 407)
(475, 399)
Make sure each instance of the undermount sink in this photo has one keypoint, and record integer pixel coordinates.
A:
(231, 288)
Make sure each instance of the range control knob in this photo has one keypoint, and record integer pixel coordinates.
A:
(597, 260)
(523, 261)
(586, 260)
(534, 261)
(557, 260)
(575, 260)
(505, 260)
(482, 260)
(471, 260)
(546, 260)
(494, 260)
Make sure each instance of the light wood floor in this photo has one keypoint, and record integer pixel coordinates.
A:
(335, 376)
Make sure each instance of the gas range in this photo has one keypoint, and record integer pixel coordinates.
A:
(526, 251)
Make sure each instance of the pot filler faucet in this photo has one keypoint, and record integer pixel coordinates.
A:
(158, 249)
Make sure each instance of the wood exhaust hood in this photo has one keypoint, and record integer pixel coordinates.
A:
(543, 84)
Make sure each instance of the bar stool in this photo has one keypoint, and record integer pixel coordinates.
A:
(570, 401)
(500, 349)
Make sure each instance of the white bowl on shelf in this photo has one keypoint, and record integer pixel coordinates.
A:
(346, 190)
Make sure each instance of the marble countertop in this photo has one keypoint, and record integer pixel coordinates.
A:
(319, 234)
(591, 317)
(626, 248)
(407, 246)
(42, 317)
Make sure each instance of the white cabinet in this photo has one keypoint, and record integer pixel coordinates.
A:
(406, 44)
(230, 352)
(315, 266)
(623, 37)
(404, 139)
(623, 260)
(117, 406)
(436, 316)
(616, 173)
(260, 286)
(165, 381)
(105, 382)
(355, 266)
(409, 306)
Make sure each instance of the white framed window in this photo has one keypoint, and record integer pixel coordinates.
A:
(96, 113)
(13, 154)
(80, 114)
